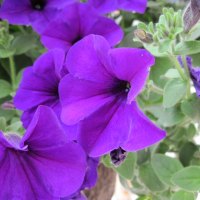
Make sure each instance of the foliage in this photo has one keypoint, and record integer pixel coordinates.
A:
(167, 99)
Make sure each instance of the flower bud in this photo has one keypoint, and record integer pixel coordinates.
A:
(191, 15)
(143, 36)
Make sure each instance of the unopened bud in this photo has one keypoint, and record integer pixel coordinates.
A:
(8, 105)
(143, 36)
(191, 15)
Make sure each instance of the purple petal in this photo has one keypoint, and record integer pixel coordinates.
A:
(110, 127)
(62, 165)
(118, 125)
(36, 135)
(60, 4)
(51, 63)
(16, 12)
(44, 77)
(91, 23)
(74, 23)
(62, 31)
(106, 6)
(22, 12)
(144, 133)
(87, 59)
(125, 63)
(131, 65)
(133, 5)
(80, 98)
(46, 164)
(39, 92)
(91, 173)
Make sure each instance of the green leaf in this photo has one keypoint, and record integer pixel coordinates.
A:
(165, 46)
(167, 117)
(188, 178)
(155, 50)
(2, 123)
(186, 153)
(5, 53)
(126, 169)
(143, 156)
(174, 91)
(150, 179)
(14, 127)
(161, 66)
(183, 195)
(191, 108)
(165, 167)
(187, 48)
(191, 131)
(5, 88)
(22, 43)
(106, 161)
(172, 73)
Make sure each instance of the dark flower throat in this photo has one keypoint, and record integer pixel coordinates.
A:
(118, 156)
(38, 4)
(121, 87)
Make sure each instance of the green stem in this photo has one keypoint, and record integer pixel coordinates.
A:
(21, 28)
(188, 75)
(12, 71)
(156, 89)
(177, 66)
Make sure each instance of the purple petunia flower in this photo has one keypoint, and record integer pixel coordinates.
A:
(106, 6)
(39, 86)
(42, 164)
(37, 13)
(194, 73)
(101, 89)
(77, 21)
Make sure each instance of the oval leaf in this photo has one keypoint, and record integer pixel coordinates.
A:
(165, 167)
(188, 178)
(5, 88)
(183, 195)
(150, 179)
(187, 48)
(174, 91)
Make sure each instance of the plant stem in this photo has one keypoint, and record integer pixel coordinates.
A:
(156, 89)
(188, 75)
(12, 71)
(177, 66)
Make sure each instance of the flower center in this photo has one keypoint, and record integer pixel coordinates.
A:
(79, 37)
(122, 87)
(38, 4)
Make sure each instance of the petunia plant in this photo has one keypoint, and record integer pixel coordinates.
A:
(99, 82)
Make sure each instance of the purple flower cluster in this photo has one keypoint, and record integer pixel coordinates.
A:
(78, 99)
